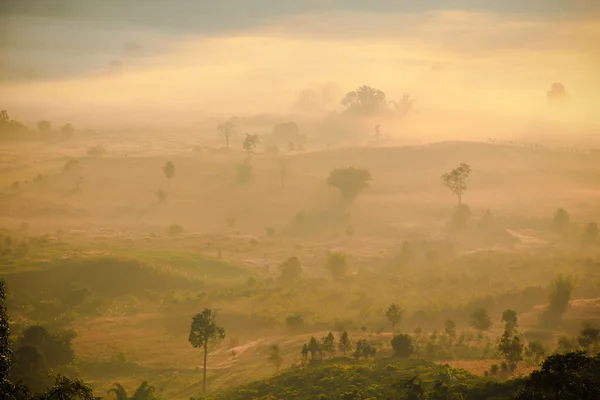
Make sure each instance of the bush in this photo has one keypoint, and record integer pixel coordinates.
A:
(402, 345)
(175, 230)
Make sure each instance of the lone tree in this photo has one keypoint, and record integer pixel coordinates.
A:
(561, 220)
(227, 129)
(350, 181)
(562, 288)
(337, 264)
(480, 320)
(402, 345)
(274, 357)
(456, 180)
(365, 101)
(394, 315)
(557, 91)
(203, 330)
(291, 270)
(169, 170)
(250, 143)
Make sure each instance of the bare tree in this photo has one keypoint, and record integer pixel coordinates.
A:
(227, 129)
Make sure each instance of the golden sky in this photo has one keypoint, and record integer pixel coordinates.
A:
(476, 61)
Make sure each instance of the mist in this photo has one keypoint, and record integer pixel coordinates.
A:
(296, 200)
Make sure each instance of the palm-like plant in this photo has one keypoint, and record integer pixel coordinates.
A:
(144, 392)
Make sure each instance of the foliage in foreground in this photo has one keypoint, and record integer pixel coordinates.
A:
(343, 378)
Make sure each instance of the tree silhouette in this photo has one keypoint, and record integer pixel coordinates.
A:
(480, 320)
(203, 330)
(364, 101)
(227, 129)
(402, 345)
(169, 170)
(345, 343)
(274, 357)
(557, 91)
(394, 315)
(250, 143)
(561, 220)
(456, 180)
(337, 264)
(350, 181)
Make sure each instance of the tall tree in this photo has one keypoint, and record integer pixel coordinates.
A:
(169, 170)
(456, 180)
(345, 343)
(561, 220)
(510, 345)
(227, 129)
(394, 315)
(328, 344)
(337, 264)
(202, 331)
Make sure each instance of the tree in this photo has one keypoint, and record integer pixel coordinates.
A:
(328, 344)
(456, 180)
(404, 106)
(63, 388)
(561, 220)
(44, 126)
(365, 101)
(203, 330)
(402, 345)
(169, 170)
(274, 357)
(377, 132)
(283, 164)
(589, 338)
(450, 328)
(314, 348)
(250, 143)
(350, 181)
(590, 234)
(337, 264)
(345, 343)
(144, 392)
(304, 352)
(394, 315)
(480, 320)
(557, 91)
(364, 350)
(227, 129)
(571, 376)
(291, 270)
(561, 289)
(535, 351)
(510, 344)
(67, 130)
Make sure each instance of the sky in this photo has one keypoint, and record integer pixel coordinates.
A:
(186, 58)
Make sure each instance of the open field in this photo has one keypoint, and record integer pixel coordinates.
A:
(111, 235)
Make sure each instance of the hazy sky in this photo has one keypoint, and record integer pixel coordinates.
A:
(203, 57)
